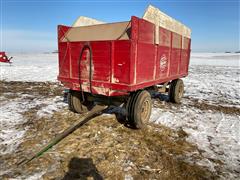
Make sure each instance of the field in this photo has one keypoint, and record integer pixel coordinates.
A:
(198, 139)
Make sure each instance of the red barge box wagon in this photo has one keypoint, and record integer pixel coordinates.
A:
(122, 62)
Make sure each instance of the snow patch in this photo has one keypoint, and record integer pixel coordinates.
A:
(52, 105)
(216, 134)
(11, 118)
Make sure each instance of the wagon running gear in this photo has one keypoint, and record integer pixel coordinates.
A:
(176, 91)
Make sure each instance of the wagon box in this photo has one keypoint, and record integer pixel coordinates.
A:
(121, 62)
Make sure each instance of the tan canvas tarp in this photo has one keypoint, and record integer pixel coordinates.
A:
(159, 18)
(88, 29)
(112, 31)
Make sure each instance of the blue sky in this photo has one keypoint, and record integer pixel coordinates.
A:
(30, 26)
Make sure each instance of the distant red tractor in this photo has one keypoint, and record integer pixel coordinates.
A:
(120, 63)
(4, 58)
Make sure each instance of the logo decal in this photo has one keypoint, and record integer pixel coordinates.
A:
(163, 62)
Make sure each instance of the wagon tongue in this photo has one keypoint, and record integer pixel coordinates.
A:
(97, 110)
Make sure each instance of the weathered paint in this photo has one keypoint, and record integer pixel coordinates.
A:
(122, 66)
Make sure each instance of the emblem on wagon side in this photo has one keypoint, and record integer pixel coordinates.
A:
(163, 62)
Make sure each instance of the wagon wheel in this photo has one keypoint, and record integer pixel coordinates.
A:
(176, 91)
(76, 104)
(139, 109)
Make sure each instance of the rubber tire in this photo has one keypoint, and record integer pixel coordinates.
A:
(176, 91)
(134, 109)
(75, 105)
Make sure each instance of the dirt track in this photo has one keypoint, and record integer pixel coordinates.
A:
(103, 147)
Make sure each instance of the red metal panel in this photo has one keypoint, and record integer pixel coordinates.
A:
(145, 62)
(62, 31)
(164, 50)
(185, 56)
(175, 61)
(134, 28)
(73, 59)
(163, 62)
(101, 52)
(176, 41)
(121, 62)
(133, 60)
(133, 52)
(145, 57)
(121, 88)
(164, 37)
(184, 61)
(100, 61)
(146, 31)
(175, 54)
(63, 55)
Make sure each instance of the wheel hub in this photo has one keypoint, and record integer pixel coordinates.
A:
(145, 109)
(180, 92)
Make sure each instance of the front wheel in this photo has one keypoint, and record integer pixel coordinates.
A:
(139, 109)
(176, 90)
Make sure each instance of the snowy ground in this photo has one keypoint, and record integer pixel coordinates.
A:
(209, 113)
(12, 117)
(30, 67)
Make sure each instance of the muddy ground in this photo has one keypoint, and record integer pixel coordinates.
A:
(103, 148)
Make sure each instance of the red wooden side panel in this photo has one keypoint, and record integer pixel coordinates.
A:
(164, 50)
(163, 62)
(146, 31)
(62, 31)
(145, 62)
(121, 62)
(101, 64)
(75, 50)
(175, 54)
(164, 37)
(134, 50)
(185, 56)
(63, 54)
(100, 61)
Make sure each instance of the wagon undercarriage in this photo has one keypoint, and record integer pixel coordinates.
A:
(137, 104)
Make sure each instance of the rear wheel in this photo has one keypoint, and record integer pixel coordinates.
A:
(139, 109)
(176, 90)
(76, 104)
